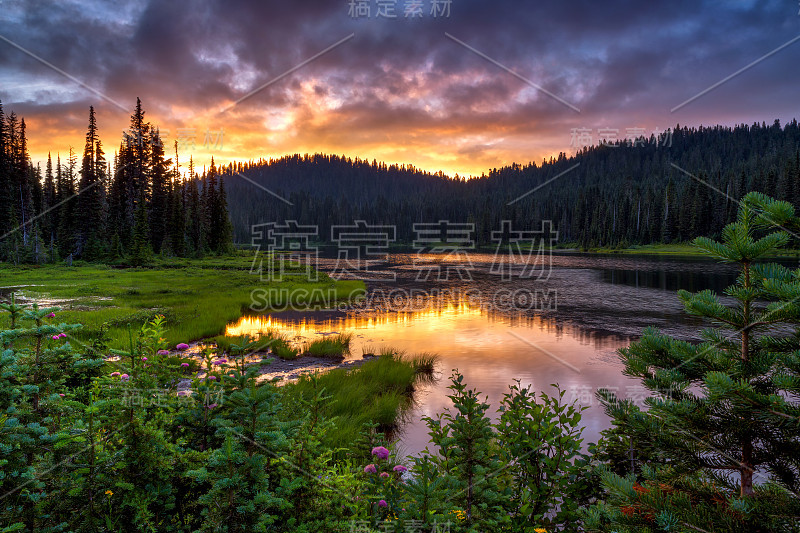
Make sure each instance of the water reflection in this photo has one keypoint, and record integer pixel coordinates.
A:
(490, 348)
(670, 280)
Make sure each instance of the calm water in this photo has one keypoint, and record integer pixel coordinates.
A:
(564, 328)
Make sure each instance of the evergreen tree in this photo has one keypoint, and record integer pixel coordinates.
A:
(50, 219)
(6, 209)
(91, 224)
(722, 429)
(160, 192)
(141, 251)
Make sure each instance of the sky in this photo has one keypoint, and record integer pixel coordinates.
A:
(460, 86)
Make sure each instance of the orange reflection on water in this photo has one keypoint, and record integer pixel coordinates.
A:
(399, 329)
(491, 349)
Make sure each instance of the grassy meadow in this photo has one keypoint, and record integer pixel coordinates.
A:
(197, 297)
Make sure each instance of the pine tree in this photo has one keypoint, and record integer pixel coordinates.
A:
(195, 215)
(160, 192)
(210, 206)
(67, 227)
(91, 224)
(222, 221)
(141, 251)
(50, 219)
(6, 214)
(723, 424)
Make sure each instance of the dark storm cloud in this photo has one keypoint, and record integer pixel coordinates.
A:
(398, 81)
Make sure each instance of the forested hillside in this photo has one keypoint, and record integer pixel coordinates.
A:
(621, 193)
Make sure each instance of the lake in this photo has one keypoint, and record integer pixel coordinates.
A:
(563, 325)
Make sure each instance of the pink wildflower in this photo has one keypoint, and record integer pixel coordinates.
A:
(370, 469)
(56, 337)
(185, 365)
(400, 468)
(144, 358)
(51, 315)
(114, 374)
(124, 377)
(182, 346)
(382, 503)
(163, 352)
(381, 452)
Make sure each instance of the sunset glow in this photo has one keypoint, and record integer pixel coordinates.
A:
(463, 93)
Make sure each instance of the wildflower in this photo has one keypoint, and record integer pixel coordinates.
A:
(219, 362)
(182, 346)
(400, 468)
(370, 469)
(62, 395)
(381, 452)
(124, 377)
(114, 374)
(212, 378)
(62, 335)
(144, 358)
(382, 503)
(540, 530)
(185, 365)
(163, 352)
(56, 337)
(384, 475)
(109, 493)
(51, 315)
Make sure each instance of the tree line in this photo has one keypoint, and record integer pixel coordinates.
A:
(682, 184)
(123, 210)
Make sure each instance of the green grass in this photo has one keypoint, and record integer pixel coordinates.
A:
(334, 346)
(379, 392)
(197, 297)
(679, 249)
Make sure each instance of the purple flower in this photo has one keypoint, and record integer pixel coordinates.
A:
(124, 377)
(62, 335)
(163, 352)
(114, 374)
(212, 378)
(182, 346)
(400, 468)
(370, 469)
(56, 337)
(384, 475)
(51, 315)
(382, 503)
(62, 395)
(185, 365)
(381, 452)
(144, 358)
(219, 362)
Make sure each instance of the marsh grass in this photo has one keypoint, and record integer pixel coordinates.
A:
(197, 297)
(333, 346)
(424, 363)
(380, 392)
(279, 344)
